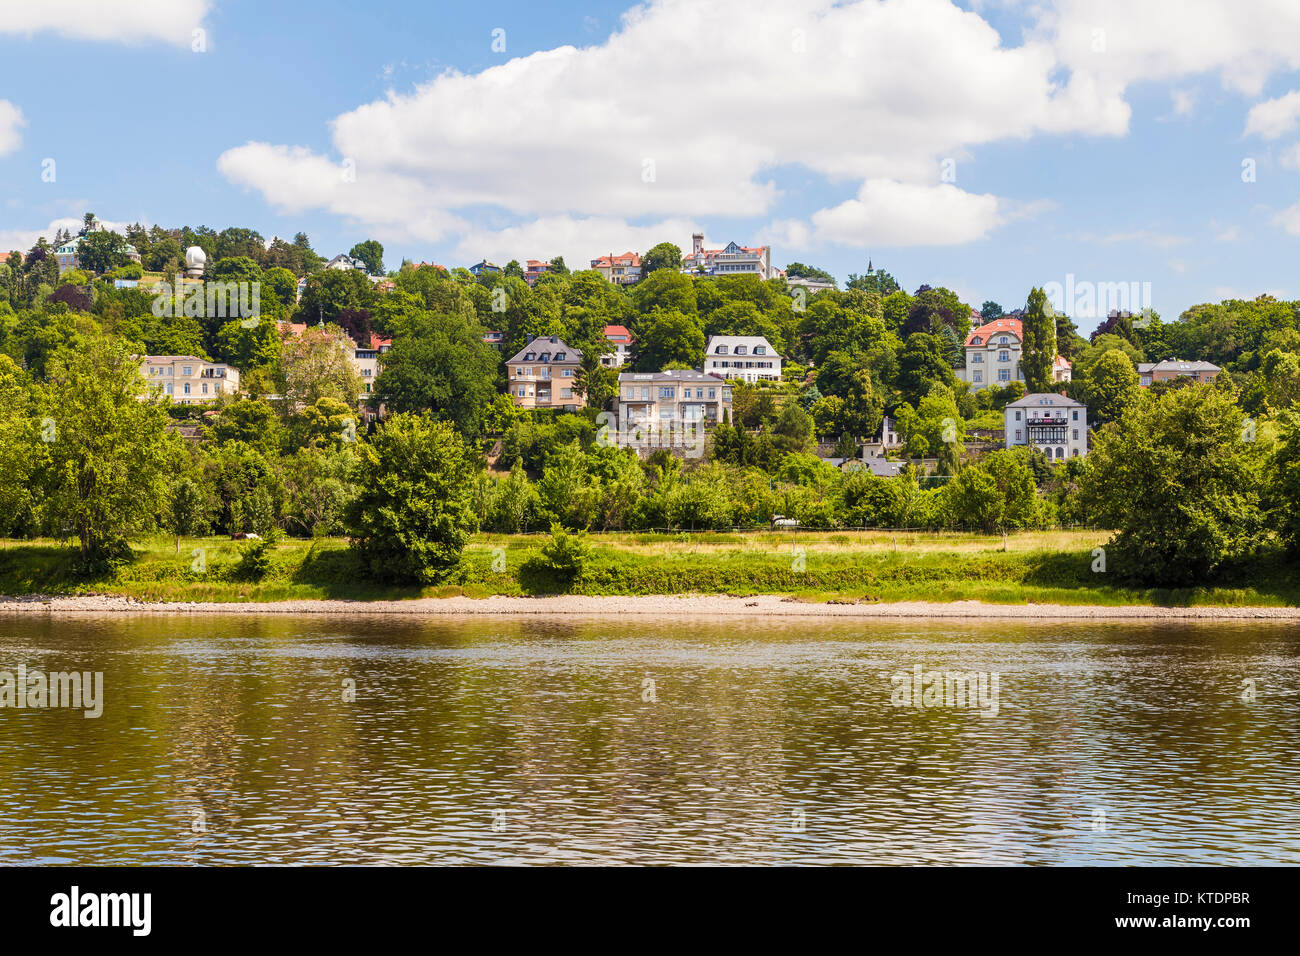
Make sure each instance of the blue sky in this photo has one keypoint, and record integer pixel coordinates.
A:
(1114, 157)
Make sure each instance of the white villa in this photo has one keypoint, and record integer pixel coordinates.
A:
(746, 357)
(1055, 425)
(189, 380)
(731, 260)
(993, 356)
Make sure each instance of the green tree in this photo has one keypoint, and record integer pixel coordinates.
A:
(188, 513)
(372, 254)
(438, 363)
(1180, 485)
(413, 514)
(665, 255)
(100, 250)
(110, 453)
(1038, 347)
(669, 337)
(1285, 474)
(1112, 386)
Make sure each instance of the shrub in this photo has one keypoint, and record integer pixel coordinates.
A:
(565, 555)
(254, 561)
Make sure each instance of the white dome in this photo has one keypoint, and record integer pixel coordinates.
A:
(195, 257)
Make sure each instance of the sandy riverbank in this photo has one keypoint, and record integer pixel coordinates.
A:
(654, 605)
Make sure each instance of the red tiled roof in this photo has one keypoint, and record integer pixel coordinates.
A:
(617, 332)
(626, 259)
(992, 328)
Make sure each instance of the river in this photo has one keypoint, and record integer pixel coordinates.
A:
(346, 740)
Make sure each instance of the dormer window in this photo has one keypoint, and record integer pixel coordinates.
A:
(721, 350)
(559, 356)
(741, 350)
(1004, 340)
(977, 341)
(530, 356)
(759, 350)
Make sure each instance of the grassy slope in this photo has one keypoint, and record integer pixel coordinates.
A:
(1038, 567)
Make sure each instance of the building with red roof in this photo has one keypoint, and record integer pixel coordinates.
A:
(731, 260)
(621, 270)
(621, 341)
(993, 355)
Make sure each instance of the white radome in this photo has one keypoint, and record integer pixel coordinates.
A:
(195, 260)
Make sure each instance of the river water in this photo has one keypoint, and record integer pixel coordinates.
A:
(268, 739)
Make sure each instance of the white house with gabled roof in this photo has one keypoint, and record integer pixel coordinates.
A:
(746, 357)
(1054, 424)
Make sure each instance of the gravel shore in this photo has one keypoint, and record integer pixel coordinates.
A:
(652, 605)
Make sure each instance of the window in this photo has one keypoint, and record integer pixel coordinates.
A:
(1004, 356)
(187, 370)
(760, 350)
(1003, 340)
(1004, 375)
(1076, 416)
(559, 356)
(977, 341)
(1076, 434)
(169, 388)
(1017, 434)
(721, 350)
(713, 393)
(741, 350)
(530, 356)
(521, 391)
(566, 393)
(977, 357)
(979, 376)
(645, 393)
(568, 373)
(205, 388)
(1017, 416)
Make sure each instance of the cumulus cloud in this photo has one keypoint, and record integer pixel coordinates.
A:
(692, 108)
(886, 212)
(685, 113)
(1115, 43)
(1273, 118)
(166, 21)
(23, 239)
(11, 124)
(1289, 220)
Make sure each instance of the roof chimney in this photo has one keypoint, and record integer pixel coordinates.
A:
(528, 339)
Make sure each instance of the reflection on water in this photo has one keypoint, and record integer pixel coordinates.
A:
(231, 740)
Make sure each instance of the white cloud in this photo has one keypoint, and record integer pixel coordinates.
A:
(1289, 219)
(1289, 158)
(1114, 43)
(1227, 233)
(1145, 237)
(166, 21)
(11, 122)
(1273, 118)
(901, 214)
(24, 239)
(578, 240)
(684, 113)
(689, 109)
(1183, 102)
